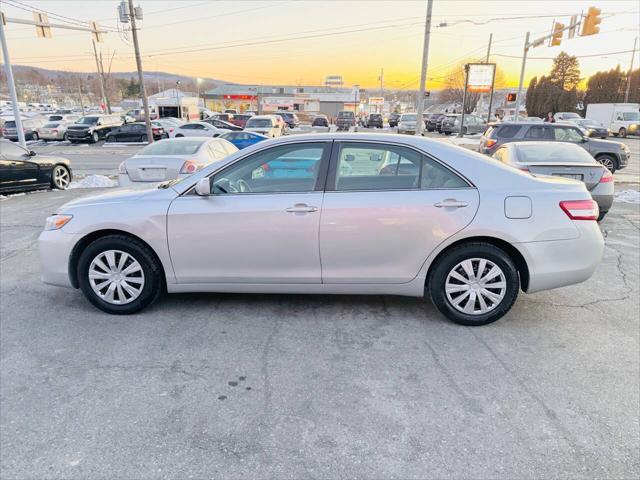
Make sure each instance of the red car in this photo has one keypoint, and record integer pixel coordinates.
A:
(240, 119)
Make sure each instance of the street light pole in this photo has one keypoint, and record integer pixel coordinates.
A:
(633, 54)
(423, 74)
(524, 62)
(12, 87)
(143, 89)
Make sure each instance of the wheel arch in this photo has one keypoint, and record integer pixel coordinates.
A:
(509, 249)
(615, 156)
(85, 241)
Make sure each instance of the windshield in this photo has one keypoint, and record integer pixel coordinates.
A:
(409, 118)
(55, 117)
(258, 123)
(554, 152)
(167, 147)
(569, 115)
(346, 114)
(10, 124)
(587, 122)
(51, 125)
(631, 116)
(88, 120)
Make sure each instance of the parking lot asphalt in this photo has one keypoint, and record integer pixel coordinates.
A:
(294, 386)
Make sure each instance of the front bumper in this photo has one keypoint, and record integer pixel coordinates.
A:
(78, 135)
(559, 263)
(54, 250)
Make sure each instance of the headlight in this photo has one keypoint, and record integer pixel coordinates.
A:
(56, 222)
(122, 169)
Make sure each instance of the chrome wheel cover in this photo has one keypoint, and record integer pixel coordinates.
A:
(475, 286)
(61, 177)
(116, 277)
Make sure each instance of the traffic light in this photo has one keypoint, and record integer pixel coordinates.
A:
(591, 23)
(556, 39)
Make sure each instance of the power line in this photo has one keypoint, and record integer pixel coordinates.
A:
(552, 58)
(29, 8)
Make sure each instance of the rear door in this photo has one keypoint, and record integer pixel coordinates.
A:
(386, 208)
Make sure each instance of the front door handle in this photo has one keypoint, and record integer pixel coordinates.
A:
(451, 203)
(301, 208)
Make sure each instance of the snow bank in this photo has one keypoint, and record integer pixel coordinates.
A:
(94, 181)
(628, 196)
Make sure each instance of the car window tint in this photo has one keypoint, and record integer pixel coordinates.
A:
(567, 135)
(11, 150)
(535, 133)
(287, 168)
(377, 167)
(508, 131)
(435, 175)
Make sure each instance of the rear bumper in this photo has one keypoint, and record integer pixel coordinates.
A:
(126, 181)
(54, 250)
(559, 263)
(603, 194)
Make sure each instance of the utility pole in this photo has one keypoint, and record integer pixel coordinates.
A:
(101, 76)
(633, 54)
(524, 62)
(80, 94)
(143, 89)
(486, 61)
(423, 74)
(12, 86)
(381, 89)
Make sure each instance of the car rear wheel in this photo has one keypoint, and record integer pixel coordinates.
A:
(111, 139)
(608, 161)
(95, 137)
(120, 275)
(474, 284)
(65, 137)
(144, 138)
(60, 177)
(34, 136)
(623, 132)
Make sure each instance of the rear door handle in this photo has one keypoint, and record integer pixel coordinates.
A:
(301, 208)
(451, 203)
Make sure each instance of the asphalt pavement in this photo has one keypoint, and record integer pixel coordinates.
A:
(295, 386)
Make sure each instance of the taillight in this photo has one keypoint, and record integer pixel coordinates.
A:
(490, 142)
(580, 209)
(190, 166)
(606, 177)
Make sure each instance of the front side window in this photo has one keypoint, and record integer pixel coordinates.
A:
(567, 135)
(537, 133)
(283, 169)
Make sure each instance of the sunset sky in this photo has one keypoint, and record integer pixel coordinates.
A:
(237, 40)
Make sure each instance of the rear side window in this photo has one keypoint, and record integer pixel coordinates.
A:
(537, 133)
(508, 131)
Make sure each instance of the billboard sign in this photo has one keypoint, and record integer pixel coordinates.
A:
(376, 100)
(480, 77)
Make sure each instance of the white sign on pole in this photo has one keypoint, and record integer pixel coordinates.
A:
(376, 100)
(480, 77)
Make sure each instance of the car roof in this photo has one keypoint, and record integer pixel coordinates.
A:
(262, 117)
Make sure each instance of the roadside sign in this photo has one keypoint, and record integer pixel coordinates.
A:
(376, 100)
(480, 77)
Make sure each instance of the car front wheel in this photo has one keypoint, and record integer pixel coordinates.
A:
(60, 177)
(120, 275)
(95, 137)
(474, 284)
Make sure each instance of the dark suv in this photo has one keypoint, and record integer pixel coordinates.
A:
(374, 120)
(393, 119)
(613, 155)
(290, 118)
(92, 128)
(432, 120)
(345, 120)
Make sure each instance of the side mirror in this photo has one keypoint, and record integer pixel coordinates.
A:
(585, 139)
(203, 187)
(32, 153)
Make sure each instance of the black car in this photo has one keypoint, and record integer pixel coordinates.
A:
(92, 128)
(290, 118)
(613, 155)
(222, 124)
(374, 120)
(320, 121)
(432, 121)
(591, 127)
(345, 120)
(393, 119)
(441, 120)
(135, 132)
(22, 170)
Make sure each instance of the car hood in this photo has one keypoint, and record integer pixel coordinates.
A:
(49, 160)
(117, 196)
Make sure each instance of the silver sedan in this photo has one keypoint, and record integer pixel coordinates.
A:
(565, 160)
(173, 158)
(285, 216)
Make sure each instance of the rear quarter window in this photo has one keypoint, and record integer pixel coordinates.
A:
(507, 131)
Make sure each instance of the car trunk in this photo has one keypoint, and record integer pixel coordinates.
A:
(588, 173)
(154, 169)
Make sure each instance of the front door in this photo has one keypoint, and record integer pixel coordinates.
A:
(261, 223)
(16, 170)
(387, 210)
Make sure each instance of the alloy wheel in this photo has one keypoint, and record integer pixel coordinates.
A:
(475, 286)
(61, 178)
(116, 277)
(607, 162)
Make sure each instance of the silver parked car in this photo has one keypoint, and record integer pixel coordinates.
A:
(173, 158)
(561, 160)
(284, 216)
(54, 130)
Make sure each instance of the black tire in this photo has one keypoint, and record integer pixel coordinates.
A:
(144, 138)
(476, 250)
(623, 132)
(154, 285)
(111, 139)
(95, 137)
(179, 135)
(601, 216)
(65, 137)
(34, 136)
(609, 162)
(447, 133)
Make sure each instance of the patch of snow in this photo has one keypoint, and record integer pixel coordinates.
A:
(94, 181)
(628, 196)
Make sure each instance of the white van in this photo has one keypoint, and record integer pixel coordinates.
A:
(621, 119)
